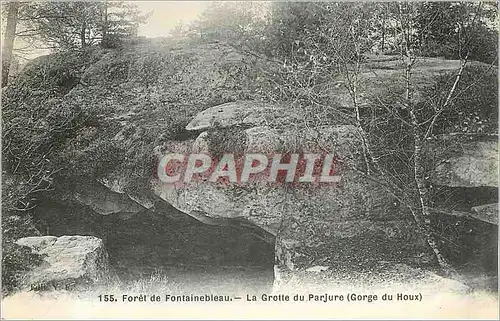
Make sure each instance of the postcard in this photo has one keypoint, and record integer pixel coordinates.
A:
(249, 160)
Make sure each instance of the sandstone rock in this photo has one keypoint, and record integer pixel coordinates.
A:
(468, 164)
(67, 261)
(200, 145)
(262, 139)
(317, 268)
(261, 206)
(487, 213)
(104, 201)
(116, 184)
(350, 223)
(260, 203)
(144, 201)
(379, 73)
(235, 113)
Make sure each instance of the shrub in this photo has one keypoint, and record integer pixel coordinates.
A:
(16, 259)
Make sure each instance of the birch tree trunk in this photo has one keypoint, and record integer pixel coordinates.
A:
(420, 212)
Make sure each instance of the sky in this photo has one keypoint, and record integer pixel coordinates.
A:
(167, 14)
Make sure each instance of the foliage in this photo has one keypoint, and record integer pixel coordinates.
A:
(454, 30)
(298, 32)
(240, 24)
(70, 25)
(318, 33)
(473, 110)
(16, 260)
(36, 123)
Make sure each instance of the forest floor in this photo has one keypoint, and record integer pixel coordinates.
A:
(437, 301)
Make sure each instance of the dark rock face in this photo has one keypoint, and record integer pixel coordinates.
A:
(465, 197)
(468, 237)
(145, 241)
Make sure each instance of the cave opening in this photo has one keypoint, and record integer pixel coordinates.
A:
(468, 242)
(178, 247)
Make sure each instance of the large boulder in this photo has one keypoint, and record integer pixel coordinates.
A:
(466, 162)
(236, 113)
(259, 201)
(487, 213)
(68, 261)
(350, 224)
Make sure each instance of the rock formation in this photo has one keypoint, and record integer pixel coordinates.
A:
(126, 108)
(68, 261)
(352, 225)
(467, 162)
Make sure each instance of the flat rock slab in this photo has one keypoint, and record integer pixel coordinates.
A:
(487, 213)
(236, 113)
(467, 164)
(67, 261)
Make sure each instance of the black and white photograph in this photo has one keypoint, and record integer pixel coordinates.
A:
(271, 160)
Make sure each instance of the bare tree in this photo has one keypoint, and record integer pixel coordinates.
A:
(420, 210)
(330, 52)
(409, 185)
(8, 42)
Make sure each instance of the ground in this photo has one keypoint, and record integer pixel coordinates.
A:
(85, 304)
